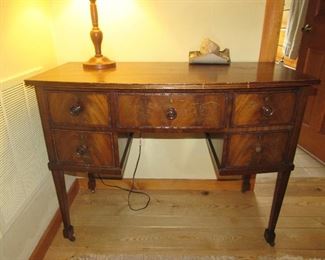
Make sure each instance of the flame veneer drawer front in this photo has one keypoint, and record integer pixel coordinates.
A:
(252, 109)
(83, 148)
(171, 110)
(256, 150)
(79, 108)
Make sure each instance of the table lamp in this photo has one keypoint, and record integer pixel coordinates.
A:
(98, 62)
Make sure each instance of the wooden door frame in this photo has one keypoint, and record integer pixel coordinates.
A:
(271, 30)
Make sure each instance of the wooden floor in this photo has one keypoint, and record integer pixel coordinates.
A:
(194, 223)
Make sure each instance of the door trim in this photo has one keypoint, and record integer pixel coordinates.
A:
(271, 30)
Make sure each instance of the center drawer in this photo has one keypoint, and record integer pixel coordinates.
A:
(174, 110)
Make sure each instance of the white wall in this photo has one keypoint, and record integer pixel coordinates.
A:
(161, 30)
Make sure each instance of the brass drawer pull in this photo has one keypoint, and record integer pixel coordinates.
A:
(75, 109)
(307, 28)
(171, 113)
(81, 150)
(267, 111)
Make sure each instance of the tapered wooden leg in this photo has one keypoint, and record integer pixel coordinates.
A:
(59, 182)
(246, 184)
(91, 182)
(279, 191)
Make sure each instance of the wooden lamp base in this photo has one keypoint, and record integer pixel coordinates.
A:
(99, 63)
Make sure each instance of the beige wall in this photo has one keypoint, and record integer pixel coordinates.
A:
(158, 30)
(26, 36)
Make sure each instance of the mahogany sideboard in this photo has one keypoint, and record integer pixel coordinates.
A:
(251, 114)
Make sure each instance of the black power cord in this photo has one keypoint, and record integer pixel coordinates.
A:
(132, 190)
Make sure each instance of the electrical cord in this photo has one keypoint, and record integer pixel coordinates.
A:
(132, 190)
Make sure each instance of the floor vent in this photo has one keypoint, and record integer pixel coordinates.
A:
(23, 157)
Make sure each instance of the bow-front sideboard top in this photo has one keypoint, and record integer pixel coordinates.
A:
(251, 114)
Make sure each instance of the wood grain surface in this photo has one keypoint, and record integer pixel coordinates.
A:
(249, 150)
(94, 109)
(278, 108)
(81, 147)
(151, 110)
(176, 75)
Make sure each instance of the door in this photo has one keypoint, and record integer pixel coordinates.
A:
(312, 61)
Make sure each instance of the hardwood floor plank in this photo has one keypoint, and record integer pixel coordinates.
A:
(195, 222)
(160, 238)
(268, 254)
(294, 189)
(210, 239)
(167, 184)
(174, 222)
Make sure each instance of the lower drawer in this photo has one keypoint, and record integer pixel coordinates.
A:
(256, 151)
(83, 148)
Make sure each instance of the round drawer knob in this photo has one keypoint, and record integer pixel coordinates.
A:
(75, 109)
(258, 148)
(267, 111)
(171, 113)
(81, 150)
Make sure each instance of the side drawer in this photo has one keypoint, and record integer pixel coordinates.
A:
(79, 109)
(254, 109)
(256, 150)
(84, 148)
(171, 110)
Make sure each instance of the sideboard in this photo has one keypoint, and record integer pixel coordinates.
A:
(250, 113)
